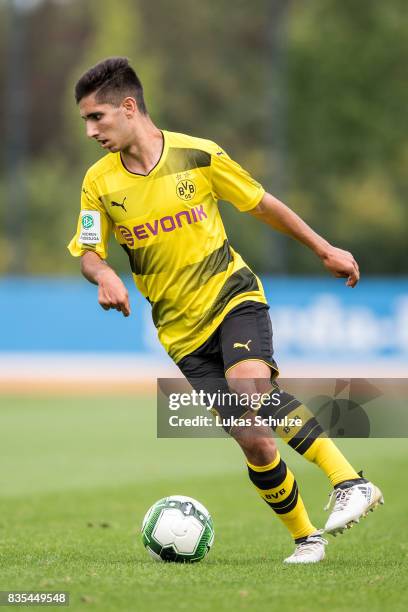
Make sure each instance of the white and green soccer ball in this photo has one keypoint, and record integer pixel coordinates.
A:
(179, 529)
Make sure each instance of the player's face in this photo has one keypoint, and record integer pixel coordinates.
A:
(107, 124)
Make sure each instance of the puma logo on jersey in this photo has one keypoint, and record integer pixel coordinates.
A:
(245, 346)
(121, 205)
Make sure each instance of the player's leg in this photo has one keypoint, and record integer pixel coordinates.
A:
(310, 441)
(252, 321)
(270, 475)
(354, 495)
(204, 368)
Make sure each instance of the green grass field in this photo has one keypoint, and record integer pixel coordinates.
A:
(77, 475)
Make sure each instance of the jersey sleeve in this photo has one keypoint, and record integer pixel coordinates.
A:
(232, 183)
(94, 225)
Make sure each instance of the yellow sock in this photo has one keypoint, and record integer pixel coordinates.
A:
(325, 454)
(277, 486)
(310, 441)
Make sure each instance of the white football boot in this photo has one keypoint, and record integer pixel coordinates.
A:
(351, 503)
(311, 550)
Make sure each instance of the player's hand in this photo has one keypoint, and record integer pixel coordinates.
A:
(342, 265)
(112, 293)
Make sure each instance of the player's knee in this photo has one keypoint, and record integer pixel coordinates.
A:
(249, 369)
(248, 376)
(259, 447)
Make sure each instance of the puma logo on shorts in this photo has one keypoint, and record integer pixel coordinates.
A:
(239, 345)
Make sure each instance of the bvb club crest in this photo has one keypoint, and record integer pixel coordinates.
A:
(185, 189)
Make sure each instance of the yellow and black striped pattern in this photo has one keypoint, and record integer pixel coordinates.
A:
(277, 486)
(301, 437)
(169, 224)
(309, 440)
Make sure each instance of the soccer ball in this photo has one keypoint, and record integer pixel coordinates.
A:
(179, 529)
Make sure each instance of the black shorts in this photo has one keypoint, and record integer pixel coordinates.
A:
(245, 333)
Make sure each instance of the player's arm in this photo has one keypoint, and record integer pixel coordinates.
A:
(279, 216)
(90, 243)
(112, 293)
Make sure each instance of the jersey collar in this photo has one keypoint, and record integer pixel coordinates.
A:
(155, 168)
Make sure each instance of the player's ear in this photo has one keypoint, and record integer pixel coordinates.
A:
(130, 106)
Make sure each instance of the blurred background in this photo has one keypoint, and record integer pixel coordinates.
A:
(310, 97)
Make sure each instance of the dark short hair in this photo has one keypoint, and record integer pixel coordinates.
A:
(111, 80)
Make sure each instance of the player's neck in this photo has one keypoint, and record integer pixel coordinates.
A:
(145, 149)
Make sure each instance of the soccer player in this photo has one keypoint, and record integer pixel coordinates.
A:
(158, 192)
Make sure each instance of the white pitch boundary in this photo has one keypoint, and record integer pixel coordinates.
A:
(129, 368)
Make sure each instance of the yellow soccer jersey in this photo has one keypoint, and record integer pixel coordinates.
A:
(169, 224)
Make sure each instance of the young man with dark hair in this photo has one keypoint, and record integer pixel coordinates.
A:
(158, 192)
(111, 81)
